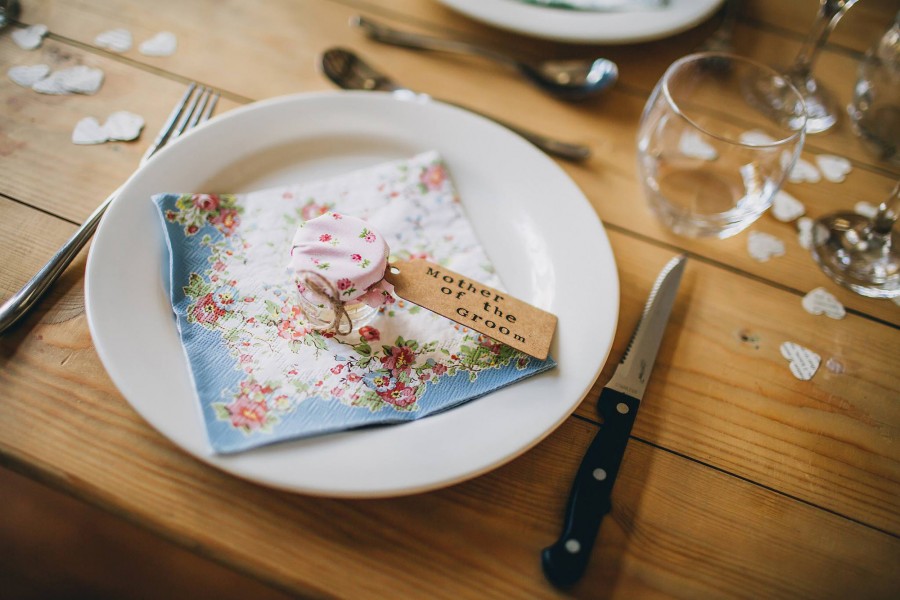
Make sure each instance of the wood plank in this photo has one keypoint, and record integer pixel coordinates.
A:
(36, 130)
(28, 238)
(607, 126)
(608, 180)
(722, 393)
(94, 555)
(677, 529)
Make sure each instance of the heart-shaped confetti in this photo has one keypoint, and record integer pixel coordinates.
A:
(803, 362)
(115, 40)
(834, 365)
(834, 168)
(163, 43)
(30, 38)
(121, 126)
(865, 209)
(74, 80)
(786, 208)
(804, 171)
(821, 302)
(763, 246)
(692, 145)
(805, 232)
(755, 137)
(89, 131)
(27, 76)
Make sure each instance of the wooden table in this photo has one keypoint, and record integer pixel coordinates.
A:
(739, 480)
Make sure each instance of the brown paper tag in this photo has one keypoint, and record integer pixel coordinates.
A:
(474, 305)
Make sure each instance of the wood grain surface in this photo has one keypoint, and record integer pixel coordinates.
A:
(740, 481)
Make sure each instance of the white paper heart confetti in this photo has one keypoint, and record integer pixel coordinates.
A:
(821, 302)
(30, 38)
(865, 209)
(89, 131)
(27, 76)
(116, 40)
(804, 171)
(74, 80)
(803, 362)
(786, 208)
(755, 137)
(834, 168)
(120, 126)
(691, 144)
(834, 365)
(763, 246)
(805, 232)
(123, 126)
(163, 43)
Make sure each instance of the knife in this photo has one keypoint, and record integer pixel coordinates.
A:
(565, 561)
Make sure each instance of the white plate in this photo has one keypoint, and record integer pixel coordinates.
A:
(545, 240)
(588, 27)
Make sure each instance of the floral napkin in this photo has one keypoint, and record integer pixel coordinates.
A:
(261, 373)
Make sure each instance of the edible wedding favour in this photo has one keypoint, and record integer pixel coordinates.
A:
(340, 268)
(338, 264)
(271, 361)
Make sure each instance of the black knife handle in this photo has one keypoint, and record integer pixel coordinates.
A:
(565, 561)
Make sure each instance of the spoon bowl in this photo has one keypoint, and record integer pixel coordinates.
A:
(566, 79)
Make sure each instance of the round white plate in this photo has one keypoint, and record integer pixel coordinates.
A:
(545, 240)
(587, 27)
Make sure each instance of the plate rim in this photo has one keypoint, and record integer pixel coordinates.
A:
(579, 27)
(337, 492)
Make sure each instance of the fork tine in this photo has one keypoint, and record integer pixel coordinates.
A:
(163, 136)
(210, 108)
(201, 114)
(198, 100)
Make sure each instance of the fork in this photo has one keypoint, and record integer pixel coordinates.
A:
(196, 106)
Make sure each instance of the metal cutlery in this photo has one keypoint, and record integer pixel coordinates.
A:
(567, 79)
(603, 5)
(191, 110)
(565, 561)
(350, 72)
(9, 11)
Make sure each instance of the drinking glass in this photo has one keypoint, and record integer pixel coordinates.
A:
(875, 110)
(859, 252)
(710, 161)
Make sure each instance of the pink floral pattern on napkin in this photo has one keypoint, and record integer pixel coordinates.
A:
(262, 374)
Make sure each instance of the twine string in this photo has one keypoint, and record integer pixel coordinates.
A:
(325, 288)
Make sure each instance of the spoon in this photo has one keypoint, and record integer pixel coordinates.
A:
(567, 79)
(350, 72)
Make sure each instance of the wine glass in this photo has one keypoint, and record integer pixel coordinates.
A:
(875, 109)
(859, 252)
(821, 108)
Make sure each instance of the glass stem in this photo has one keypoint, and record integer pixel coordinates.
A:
(830, 12)
(887, 214)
